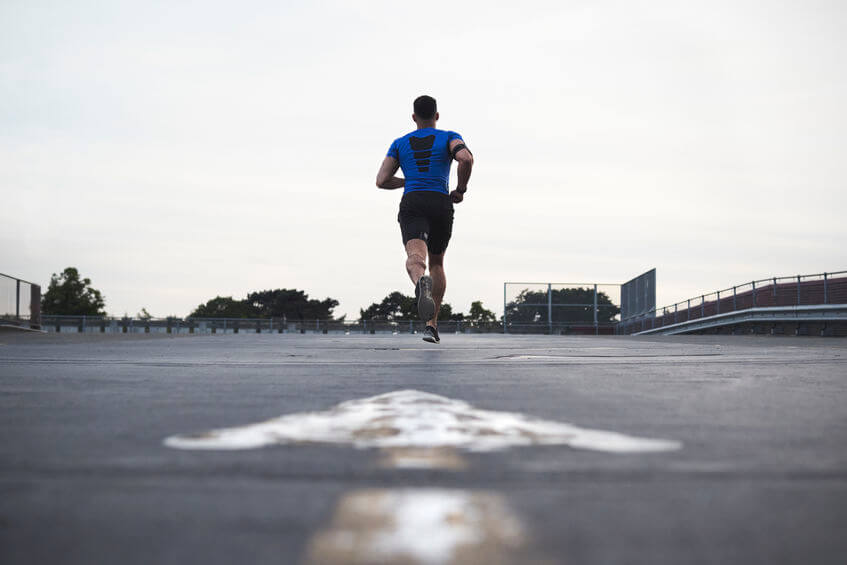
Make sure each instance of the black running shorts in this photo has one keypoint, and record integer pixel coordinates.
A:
(427, 215)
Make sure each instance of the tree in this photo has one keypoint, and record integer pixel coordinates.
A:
(399, 307)
(68, 294)
(480, 315)
(569, 305)
(282, 302)
(446, 313)
(144, 315)
(394, 307)
(224, 307)
(291, 303)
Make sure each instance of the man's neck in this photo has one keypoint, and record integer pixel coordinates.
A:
(424, 125)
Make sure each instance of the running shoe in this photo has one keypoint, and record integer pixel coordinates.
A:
(431, 335)
(423, 292)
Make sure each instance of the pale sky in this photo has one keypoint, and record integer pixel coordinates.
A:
(175, 151)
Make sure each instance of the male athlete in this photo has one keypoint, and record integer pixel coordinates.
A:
(426, 210)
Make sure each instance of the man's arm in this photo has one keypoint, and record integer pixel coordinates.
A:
(385, 177)
(463, 171)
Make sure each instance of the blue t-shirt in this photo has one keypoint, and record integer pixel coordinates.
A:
(424, 156)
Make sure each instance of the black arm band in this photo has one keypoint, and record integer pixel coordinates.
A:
(458, 148)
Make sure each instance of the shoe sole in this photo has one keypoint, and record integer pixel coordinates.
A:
(431, 339)
(426, 305)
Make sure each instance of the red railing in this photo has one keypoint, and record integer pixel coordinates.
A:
(801, 290)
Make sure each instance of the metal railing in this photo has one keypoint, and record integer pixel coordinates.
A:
(172, 325)
(20, 301)
(799, 290)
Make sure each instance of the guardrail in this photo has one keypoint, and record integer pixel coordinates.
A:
(20, 301)
(776, 292)
(822, 314)
(131, 325)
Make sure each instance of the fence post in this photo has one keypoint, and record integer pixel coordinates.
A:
(734, 300)
(505, 325)
(675, 308)
(798, 290)
(688, 311)
(35, 307)
(596, 326)
(550, 308)
(83, 323)
(754, 294)
(719, 302)
(825, 294)
(702, 305)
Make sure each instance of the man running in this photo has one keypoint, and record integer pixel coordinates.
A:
(426, 209)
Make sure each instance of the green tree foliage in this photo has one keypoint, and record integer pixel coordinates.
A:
(396, 306)
(569, 305)
(399, 307)
(480, 315)
(71, 295)
(290, 303)
(446, 313)
(224, 307)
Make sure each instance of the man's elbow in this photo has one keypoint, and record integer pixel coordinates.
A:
(465, 158)
(380, 182)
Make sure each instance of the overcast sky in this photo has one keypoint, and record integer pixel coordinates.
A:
(175, 151)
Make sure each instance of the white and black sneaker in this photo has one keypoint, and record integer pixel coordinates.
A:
(431, 335)
(423, 292)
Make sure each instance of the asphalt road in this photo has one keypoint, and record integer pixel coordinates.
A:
(761, 476)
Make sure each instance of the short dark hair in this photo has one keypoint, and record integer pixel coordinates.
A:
(425, 107)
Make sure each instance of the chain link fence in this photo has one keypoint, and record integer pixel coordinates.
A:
(561, 308)
(20, 302)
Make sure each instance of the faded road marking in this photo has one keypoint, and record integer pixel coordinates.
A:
(415, 419)
(419, 526)
(422, 458)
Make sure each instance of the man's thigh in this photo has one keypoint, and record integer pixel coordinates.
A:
(441, 230)
(413, 225)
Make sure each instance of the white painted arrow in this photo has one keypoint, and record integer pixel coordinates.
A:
(415, 419)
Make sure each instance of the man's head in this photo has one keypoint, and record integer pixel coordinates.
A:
(426, 110)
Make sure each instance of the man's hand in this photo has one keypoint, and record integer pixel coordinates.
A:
(457, 196)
